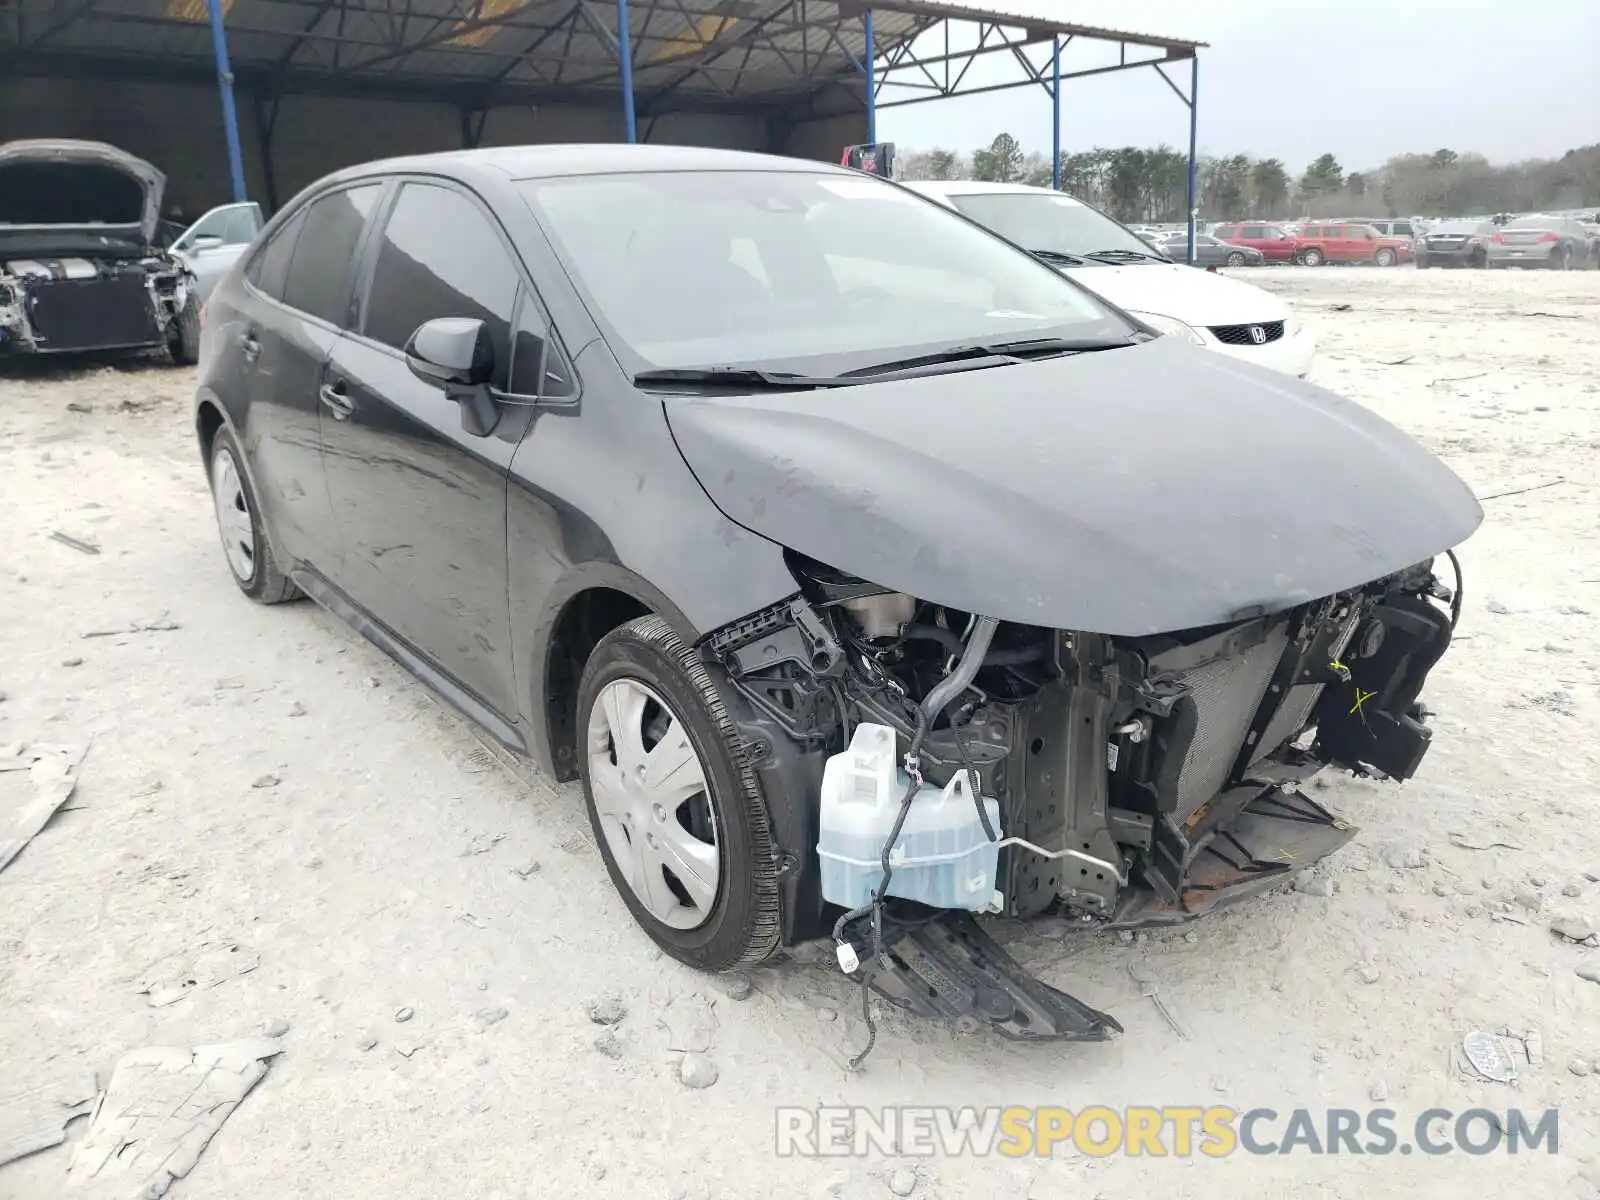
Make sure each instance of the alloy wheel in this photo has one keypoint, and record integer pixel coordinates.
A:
(650, 796)
(234, 520)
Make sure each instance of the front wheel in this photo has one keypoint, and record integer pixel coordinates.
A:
(1235, 259)
(1311, 258)
(673, 800)
(183, 341)
(1385, 258)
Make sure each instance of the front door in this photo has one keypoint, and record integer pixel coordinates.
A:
(420, 503)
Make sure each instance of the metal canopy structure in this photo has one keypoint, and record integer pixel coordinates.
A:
(789, 60)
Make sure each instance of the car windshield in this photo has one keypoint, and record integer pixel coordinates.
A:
(1045, 221)
(795, 271)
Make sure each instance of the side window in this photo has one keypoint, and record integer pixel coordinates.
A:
(268, 270)
(1228, 231)
(328, 240)
(1254, 233)
(538, 367)
(439, 256)
(1311, 231)
(1403, 228)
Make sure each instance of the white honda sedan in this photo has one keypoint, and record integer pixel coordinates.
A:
(1201, 307)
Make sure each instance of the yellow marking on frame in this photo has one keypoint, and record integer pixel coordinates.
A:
(697, 35)
(197, 12)
(486, 10)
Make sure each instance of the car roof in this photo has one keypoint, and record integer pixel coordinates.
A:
(977, 187)
(599, 158)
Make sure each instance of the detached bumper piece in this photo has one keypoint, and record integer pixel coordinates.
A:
(943, 966)
(1194, 870)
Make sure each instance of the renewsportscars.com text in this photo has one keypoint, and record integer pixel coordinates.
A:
(1209, 1131)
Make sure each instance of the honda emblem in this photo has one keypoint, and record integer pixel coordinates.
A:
(1257, 334)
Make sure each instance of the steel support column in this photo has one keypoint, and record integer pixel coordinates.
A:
(625, 65)
(230, 116)
(1194, 128)
(1055, 113)
(869, 62)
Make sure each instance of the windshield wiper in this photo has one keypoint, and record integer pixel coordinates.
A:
(1123, 255)
(1059, 256)
(739, 377)
(1000, 352)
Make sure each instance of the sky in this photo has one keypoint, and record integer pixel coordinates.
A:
(1361, 79)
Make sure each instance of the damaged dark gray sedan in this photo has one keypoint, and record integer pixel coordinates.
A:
(868, 573)
(81, 267)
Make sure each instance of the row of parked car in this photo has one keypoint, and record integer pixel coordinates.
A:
(1555, 242)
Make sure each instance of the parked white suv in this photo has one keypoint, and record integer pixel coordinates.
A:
(1208, 310)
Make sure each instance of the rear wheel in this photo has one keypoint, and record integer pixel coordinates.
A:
(1235, 259)
(674, 803)
(244, 542)
(1561, 260)
(1311, 257)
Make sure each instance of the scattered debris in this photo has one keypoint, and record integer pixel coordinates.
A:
(296, 709)
(1313, 883)
(1402, 856)
(697, 1071)
(482, 844)
(78, 406)
(689, 1023)
(1519, 491)
(1529, 898)
(1320, 1055)
(735, 985)
(149, 1128)
(1473, 840)
(36, 1118)
(1572, 890)
(366, 1042)
(211, 963)
(526, 870)
(406, 1047)
(1148, 987)
(1379, 1092)
(403, 1014)
(486, 1017)
(1340, 307)
(1368, 973)
(1591, 973)
(266, 781)
(1576, 927)
(1457, 378)
(827, 1015)
(66, 539)
(605, 1009)
(902, 1181)
(1396, 362)
(608, 1043)
(74, 661)
(159, 625)
(1490, 1056)
(275, 1028)
(53, 776)
(1579, 1067)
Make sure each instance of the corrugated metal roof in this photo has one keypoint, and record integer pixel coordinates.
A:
(719, 51)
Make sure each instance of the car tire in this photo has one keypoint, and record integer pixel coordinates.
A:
(642, 828)
(1561, 260)
(184, 344)
(244, 540)
(1311, 258)
(1234, 259)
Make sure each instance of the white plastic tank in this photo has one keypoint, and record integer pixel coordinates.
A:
(943, 857)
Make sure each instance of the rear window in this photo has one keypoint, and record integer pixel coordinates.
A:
(1311, 231)
(270, 266)
(318, 282)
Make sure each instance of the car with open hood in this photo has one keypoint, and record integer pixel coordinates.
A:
(1204, 309)
(81, 264)
(866, 573)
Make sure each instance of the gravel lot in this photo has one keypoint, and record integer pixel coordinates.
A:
(260, 777)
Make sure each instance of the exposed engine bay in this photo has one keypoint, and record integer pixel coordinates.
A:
(80, 264)
(1136, 780)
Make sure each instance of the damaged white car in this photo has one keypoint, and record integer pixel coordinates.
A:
(80, 266)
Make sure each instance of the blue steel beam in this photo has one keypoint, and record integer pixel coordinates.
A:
(869, 65)
(230, 116)
(1055, 113)
(625, 66)
(1194, 129)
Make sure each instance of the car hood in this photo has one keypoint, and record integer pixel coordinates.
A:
(140, 218)
(1134, 491)
(1178, 290)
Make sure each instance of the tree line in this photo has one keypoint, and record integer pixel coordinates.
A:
(1151, 184)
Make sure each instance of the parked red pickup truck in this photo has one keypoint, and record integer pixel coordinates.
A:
(1349, 242)
(1275, 244)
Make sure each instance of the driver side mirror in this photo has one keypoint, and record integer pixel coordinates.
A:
(456, 355)
(206, 241)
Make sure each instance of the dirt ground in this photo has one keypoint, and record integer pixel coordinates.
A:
(262, 778)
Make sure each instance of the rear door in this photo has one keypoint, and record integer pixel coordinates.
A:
(421, 503)
(296, 297)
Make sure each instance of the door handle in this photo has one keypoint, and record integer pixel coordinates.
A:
(332, 395)
(250, 346)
